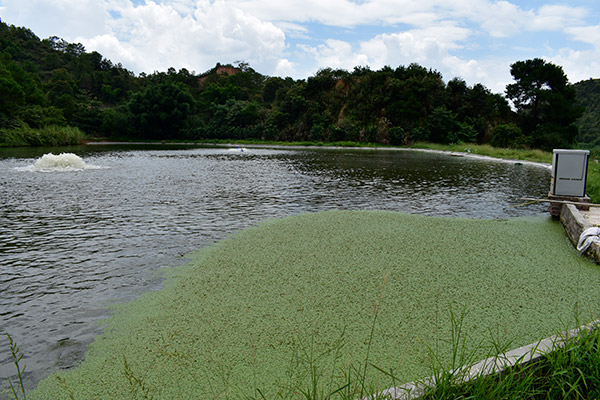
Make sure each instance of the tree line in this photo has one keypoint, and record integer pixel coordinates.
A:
(51, 82)
(588, 94)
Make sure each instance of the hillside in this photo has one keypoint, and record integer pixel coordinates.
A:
(588, 94)
(50, 82)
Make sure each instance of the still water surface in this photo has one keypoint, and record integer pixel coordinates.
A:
(74, 242)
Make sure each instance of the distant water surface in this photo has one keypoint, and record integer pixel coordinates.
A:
(73, 241)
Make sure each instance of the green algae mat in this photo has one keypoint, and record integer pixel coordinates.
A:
(316, 302)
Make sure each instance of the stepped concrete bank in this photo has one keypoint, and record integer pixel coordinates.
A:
(576, 221)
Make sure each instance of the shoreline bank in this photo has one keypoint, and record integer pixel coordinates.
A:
(335, 147)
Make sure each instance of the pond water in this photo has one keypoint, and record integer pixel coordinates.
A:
(74, 240)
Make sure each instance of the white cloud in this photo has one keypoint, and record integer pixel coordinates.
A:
(578, 65)
(586, 34)
(493, 72)
(335, 54)
(110, 47)
(473, 39)
(285, 68)
(503, 19)
(57, 18)
(293, 30)
(556, 18)
(331, 12)
(430, 47)
(402, 48)
(156, 36)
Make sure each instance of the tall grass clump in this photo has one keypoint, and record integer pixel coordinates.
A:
(16, 356)
(570, 370)
(593, 181)
(52, 135)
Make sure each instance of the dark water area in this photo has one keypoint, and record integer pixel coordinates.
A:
(74, 242)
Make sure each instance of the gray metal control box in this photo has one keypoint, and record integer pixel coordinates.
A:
(569, 172)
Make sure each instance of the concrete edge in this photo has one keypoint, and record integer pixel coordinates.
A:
(489, 366)
(574, 224)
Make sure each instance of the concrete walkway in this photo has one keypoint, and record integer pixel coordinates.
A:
(592, 216)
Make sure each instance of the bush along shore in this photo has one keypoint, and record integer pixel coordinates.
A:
(340, 304)
(48, 136)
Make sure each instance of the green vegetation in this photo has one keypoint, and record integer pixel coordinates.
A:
(570, 371)
(547, 108)
(320, 302)
(52, 82)
(588, 94)
(593, 181)
(490, 151)
(16, 356)
(51, 135)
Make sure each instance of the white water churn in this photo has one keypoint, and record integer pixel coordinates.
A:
(569, 172)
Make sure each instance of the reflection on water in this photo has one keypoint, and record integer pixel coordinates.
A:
(72, 243)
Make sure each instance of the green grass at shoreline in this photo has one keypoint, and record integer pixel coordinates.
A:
(533, 155)
(25, 136)
(569, 371)
(318, 298)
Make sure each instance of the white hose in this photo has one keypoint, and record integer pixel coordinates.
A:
(589, 236)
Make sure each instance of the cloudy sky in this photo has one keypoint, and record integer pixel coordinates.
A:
(476, 40)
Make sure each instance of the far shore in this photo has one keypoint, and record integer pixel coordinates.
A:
(528, 157)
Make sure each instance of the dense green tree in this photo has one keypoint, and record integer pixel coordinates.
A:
(509, 136)
(53, 82)
(160, 110)
(292, 104)
(413, 94)
(588, 94)
(117, 122)
(442, 126)
(242, 114)
(37, 116)
(219, 94)
(546, 103)
(11, 94)
(270, 88)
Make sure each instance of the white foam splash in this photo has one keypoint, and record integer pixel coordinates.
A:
(239, 149)
(63, 162)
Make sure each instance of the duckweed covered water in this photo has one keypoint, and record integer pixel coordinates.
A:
(251, 315)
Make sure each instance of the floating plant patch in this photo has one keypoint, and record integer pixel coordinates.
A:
(323, 298)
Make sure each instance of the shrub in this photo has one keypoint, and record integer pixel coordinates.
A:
(396, 135)
(509, 136)
(47, 136)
